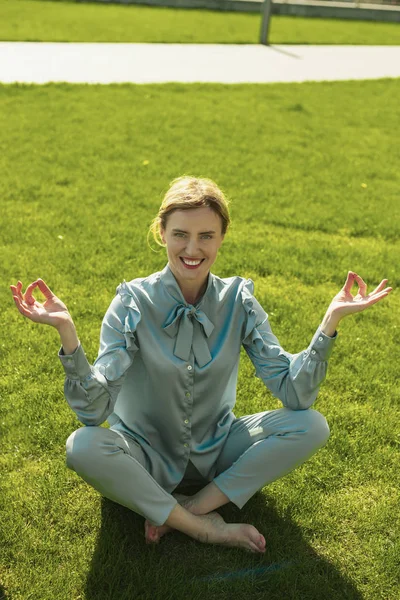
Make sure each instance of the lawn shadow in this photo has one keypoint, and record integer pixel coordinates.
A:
(3, 594)
(125, 568)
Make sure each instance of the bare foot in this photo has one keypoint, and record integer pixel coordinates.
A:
(239, 535)
(153, 533)
(215, 531)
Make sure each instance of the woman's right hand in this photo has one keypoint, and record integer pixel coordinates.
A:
(52, 312)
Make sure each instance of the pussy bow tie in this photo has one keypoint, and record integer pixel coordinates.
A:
(190, 326)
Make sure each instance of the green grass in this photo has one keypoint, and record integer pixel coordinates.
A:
(35, 20)
(76, 199)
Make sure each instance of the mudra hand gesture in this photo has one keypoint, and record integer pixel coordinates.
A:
(344, 303)
(52, 312)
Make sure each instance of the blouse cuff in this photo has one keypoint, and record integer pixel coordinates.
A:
(321, 345)
(76, 365)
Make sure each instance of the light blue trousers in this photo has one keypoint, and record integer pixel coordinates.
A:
(260, 448)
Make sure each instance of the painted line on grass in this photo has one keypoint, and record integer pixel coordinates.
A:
(272, 568)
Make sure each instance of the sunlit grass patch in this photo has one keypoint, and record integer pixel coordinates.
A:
(42, 21)
(84, 169)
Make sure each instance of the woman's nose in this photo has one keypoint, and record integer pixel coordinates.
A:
(191, 248)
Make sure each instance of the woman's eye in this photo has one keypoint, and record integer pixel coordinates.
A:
(203, 237)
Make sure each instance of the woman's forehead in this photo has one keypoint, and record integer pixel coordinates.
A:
(194, 218)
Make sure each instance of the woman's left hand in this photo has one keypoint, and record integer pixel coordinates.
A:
(344, 303)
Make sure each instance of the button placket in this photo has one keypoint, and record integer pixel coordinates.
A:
(188, 395)
(188, 408)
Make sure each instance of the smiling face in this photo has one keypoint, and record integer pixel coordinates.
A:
(192, 238)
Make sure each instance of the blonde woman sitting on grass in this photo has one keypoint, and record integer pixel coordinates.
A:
(166, 375)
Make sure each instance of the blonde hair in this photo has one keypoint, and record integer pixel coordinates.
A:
(190, 192)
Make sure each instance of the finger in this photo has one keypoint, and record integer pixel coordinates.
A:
(362, 286)
(29, 299)
(19, 291)
(14, 290)
(380, 287)
(377, 297)
(386, 291)
(20, 301)
(46, 291)
(22, 309)
(349, 281)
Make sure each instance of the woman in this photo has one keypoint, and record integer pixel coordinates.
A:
(165, 380)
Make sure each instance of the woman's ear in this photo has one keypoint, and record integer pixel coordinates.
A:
(162, 235)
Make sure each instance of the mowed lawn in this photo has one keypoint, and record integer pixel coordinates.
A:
(312, 174)
(37, 20)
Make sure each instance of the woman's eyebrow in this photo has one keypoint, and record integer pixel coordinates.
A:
(183, 231)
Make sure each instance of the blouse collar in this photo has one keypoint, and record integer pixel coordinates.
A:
(170, 282)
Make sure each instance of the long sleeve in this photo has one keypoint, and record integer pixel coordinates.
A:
(293, 378)
(91, 391)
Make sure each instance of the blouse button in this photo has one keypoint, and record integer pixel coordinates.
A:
(186, 445)
(186, 420)
(313, 352)
(189, 367)
(187, 394)
(320, 339)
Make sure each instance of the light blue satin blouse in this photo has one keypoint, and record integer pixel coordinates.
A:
(166, 373)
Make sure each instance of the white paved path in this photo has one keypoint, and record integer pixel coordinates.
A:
(226, 63)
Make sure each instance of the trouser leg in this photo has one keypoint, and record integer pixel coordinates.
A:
(263, 447)
(115, 465)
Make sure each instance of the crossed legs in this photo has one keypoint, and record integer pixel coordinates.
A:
(260, 448)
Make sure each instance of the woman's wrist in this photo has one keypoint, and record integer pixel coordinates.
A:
(329, 324)
(68, 336)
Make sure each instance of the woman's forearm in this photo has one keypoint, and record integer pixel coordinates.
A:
(329, 324)
(69, 337)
